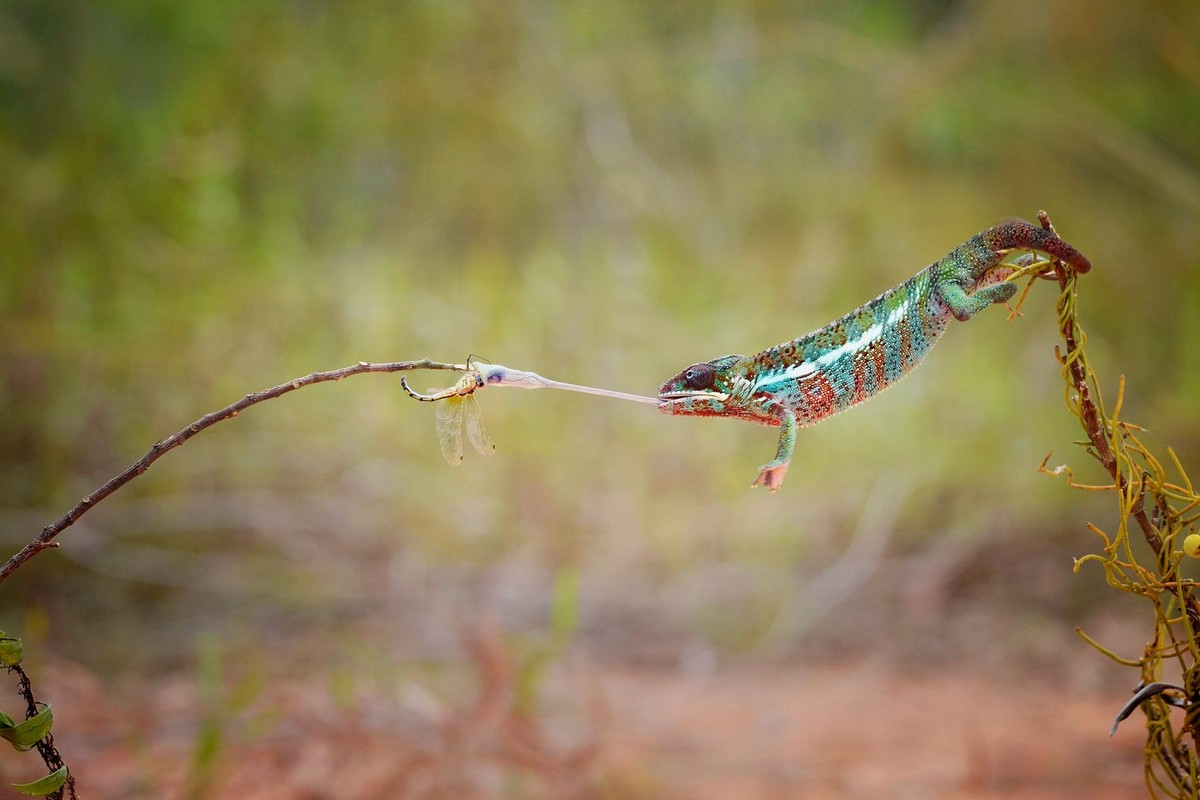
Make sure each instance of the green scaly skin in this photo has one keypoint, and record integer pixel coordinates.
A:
(806, 380)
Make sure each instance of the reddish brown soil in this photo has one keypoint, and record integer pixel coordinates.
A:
(855, 730)
(860, 731)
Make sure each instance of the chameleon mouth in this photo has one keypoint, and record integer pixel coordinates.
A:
(684, 395)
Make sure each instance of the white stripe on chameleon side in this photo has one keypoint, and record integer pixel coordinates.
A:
(804, 368)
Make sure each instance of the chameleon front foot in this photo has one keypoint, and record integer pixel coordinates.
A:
(771, 475)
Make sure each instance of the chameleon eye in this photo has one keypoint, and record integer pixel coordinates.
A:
(699, 376)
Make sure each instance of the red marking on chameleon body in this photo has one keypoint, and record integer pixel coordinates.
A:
(906, 350)
(866, 363)
(819, 397)
(860, 379)
(880, 359)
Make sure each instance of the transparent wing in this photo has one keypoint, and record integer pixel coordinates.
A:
(449, 429)
(476, 431)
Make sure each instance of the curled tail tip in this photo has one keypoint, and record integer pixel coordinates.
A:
(1016, 232)
(1080, 262)
(1061, 249)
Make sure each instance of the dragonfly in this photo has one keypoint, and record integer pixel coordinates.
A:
(459, 409)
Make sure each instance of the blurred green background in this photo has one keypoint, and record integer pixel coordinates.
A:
(198, 200)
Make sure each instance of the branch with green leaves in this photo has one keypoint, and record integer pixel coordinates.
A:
(34, 731)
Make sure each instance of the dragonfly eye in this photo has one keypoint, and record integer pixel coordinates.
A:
(699, 376)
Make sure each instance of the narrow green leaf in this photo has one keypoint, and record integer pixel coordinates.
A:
(46, 785)
(29, 732)
(6, 721)
(11, 650)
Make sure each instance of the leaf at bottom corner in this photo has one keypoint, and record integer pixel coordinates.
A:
(43, 786)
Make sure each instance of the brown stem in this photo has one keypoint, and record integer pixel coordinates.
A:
(1092, 424)
(45, 746)
(45, 539)
(1098, 436)
(1096, 428)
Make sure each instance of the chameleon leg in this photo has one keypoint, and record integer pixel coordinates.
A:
(771, 474)
(964, 306)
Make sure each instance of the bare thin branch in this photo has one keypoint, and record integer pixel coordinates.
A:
(45, 539)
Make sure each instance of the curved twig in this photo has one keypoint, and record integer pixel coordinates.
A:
(45, 538)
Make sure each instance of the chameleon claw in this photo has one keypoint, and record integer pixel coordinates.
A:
(770, 476)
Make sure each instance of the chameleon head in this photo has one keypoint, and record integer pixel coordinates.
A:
(705, 389)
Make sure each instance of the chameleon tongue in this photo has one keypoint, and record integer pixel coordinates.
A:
(499, 375)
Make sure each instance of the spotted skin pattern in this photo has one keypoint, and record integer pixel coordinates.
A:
(805, 380)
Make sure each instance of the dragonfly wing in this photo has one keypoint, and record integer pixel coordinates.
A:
(476, 431)
(449, 429)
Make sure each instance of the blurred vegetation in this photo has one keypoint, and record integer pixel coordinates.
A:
(198, 200)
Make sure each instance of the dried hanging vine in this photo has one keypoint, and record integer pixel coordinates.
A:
(1163, 508)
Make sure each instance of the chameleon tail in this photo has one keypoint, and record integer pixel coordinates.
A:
(1024, 235)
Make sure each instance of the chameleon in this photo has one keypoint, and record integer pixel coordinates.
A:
(806, 380)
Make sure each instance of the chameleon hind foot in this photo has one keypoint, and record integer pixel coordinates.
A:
(771, 475)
